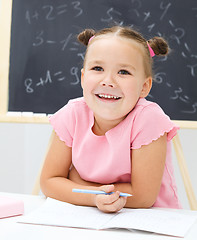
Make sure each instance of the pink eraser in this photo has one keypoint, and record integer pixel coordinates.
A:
(10, 207)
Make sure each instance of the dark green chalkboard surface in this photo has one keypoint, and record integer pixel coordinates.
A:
(45, 57)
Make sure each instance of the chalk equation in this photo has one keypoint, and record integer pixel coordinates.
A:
(50, 78)
(51, 12)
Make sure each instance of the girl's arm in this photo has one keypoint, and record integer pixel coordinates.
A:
(54, 177)
(147, 169)
(147, 164)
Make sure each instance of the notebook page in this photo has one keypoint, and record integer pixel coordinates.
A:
(57, 213)
(154, 220)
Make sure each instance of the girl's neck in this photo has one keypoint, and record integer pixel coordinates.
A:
(102, 126)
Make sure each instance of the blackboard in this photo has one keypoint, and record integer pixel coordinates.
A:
(45, 57)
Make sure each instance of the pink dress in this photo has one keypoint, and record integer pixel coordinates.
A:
(106, 159)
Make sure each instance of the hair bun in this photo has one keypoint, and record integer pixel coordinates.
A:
(159, 45)
(84, 36)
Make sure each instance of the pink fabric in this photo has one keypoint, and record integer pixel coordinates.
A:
(106, 159)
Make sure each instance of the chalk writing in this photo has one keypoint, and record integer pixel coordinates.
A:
(51, 12)
(76, 5)
(110, 12)
(147, 16)
(135, 7)
(158, 78)
(177, 95)
(66, 41)
(28, 84)
(46, 80)
(193, 109)
(192, 68)
(165, 8)
(74, 72)
(31, 84)
(39, 40)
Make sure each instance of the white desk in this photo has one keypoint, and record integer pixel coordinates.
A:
(11, 230)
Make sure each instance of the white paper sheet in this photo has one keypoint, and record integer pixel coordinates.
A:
(154, 220)
(57, 213)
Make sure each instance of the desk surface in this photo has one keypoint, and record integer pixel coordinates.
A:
(10, 229)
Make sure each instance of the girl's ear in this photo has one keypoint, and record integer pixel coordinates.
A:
(82, 77)
(146, 87)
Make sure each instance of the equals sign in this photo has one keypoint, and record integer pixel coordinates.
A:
(60, 78)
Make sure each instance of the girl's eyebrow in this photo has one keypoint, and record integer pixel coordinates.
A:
(127, 66)
(95, 62)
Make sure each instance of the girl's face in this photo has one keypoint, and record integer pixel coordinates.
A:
(113, 78)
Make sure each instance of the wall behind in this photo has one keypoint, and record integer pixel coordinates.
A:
(22, 148)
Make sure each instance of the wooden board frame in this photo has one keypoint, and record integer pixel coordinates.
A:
(5, 28)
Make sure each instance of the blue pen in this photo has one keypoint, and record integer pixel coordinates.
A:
(99, 192)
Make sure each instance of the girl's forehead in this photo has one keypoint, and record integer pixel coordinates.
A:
(115, 39)
(114, 51)
(113, 44)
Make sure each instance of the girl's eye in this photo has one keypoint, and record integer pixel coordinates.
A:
(124, 72)
(97, 68)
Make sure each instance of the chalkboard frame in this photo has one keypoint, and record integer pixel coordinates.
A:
(5, 26)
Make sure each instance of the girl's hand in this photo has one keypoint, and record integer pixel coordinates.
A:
(105, 203)
(109, 203)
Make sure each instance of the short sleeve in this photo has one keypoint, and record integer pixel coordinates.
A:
(63, 124)
(150, 124)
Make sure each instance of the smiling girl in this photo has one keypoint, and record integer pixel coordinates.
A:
(113, 139)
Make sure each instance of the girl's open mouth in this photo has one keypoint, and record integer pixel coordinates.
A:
(107, 97)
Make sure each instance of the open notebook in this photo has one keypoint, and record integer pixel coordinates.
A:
(57, 213)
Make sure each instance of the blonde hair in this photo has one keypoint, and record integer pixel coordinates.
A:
(158, 44)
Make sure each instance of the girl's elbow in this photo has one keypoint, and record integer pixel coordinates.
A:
(141, 202)
(147, 200)
(147, 203)
(44, 184)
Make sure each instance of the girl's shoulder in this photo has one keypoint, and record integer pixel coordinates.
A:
(145, 109)
(64, 120)
(149, 112)
(76, 102)
(70, 113)
(150, 122)
(73, 105)
(143, 103)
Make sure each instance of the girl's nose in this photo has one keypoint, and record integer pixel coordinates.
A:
(108, 82)
(104, 84)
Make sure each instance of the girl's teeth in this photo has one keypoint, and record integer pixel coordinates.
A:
(108, 96)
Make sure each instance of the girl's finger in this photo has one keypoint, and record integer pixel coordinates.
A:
(115, 206)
